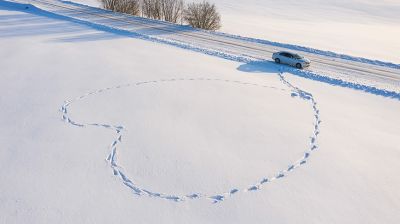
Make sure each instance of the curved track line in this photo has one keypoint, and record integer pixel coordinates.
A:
(137, 190)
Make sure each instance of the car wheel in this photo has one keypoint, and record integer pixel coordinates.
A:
(277, 60)
(299, 66)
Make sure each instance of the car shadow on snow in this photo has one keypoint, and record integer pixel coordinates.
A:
(260, 67)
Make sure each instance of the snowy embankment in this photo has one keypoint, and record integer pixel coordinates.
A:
(192, 124)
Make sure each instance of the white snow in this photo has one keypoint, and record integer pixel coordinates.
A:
(225, 126)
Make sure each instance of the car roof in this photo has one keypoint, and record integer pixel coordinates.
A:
(287, 52)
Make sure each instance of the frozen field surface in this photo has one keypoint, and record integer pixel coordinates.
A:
(99, 127)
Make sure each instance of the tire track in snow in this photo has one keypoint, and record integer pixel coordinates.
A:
(139, 191)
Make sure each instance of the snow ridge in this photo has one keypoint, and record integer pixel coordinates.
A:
(342, 83)
(139, 191)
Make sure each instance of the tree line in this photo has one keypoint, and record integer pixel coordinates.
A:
(203, 15)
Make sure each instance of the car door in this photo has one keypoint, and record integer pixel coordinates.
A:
(290, 59)
(285, 58)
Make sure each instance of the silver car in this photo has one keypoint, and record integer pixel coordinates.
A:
(292, 59)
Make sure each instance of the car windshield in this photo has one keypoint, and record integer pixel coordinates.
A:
(297, 56)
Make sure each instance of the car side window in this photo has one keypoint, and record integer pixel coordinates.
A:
(284, 54)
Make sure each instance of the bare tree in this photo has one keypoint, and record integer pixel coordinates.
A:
(124, 6)
(168, 10)
(152, 9)
(109, 4)
(203, 15)
(172, 10)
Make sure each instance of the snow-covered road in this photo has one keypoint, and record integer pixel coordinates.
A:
(377, 74)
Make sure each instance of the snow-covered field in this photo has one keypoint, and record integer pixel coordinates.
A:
(193, 129)
(363, 28)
